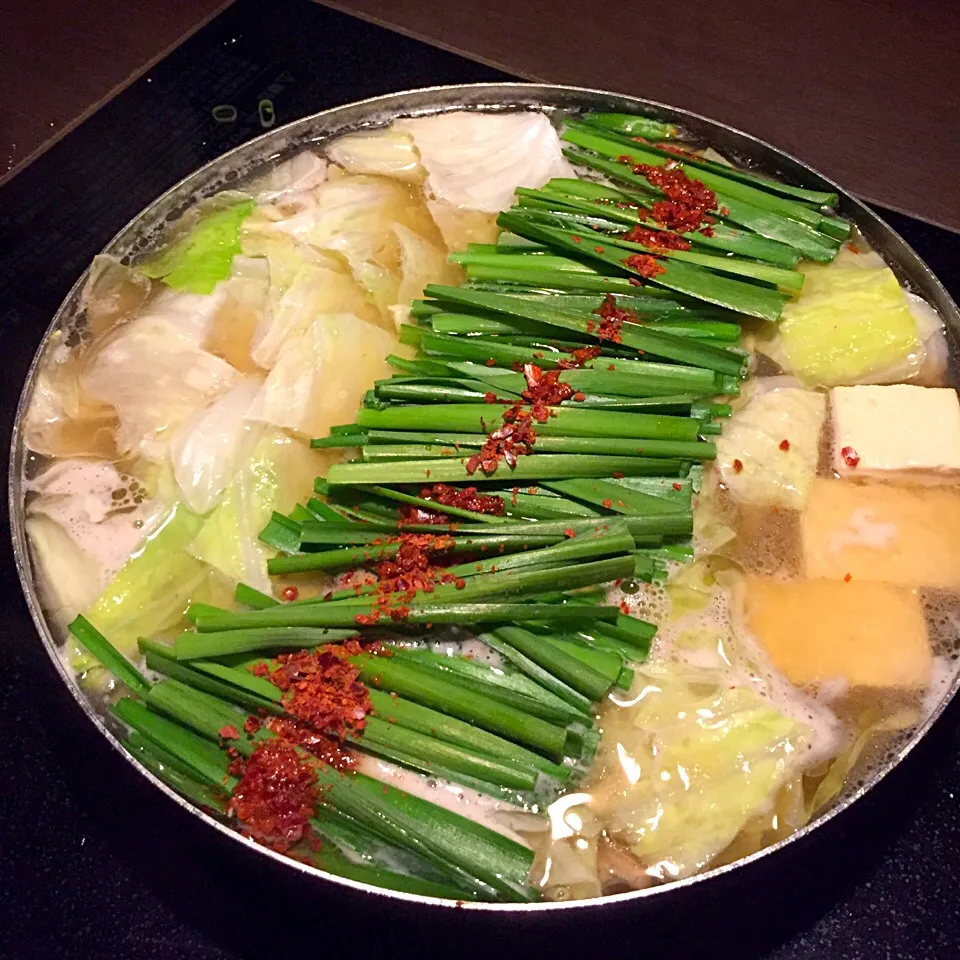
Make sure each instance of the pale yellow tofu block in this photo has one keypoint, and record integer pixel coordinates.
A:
(875, 531)
(897, 431)
(869, 634)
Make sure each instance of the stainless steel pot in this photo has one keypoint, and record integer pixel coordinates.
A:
(233, 168)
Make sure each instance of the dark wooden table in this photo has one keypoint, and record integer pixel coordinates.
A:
(867, 91)
(864, 90)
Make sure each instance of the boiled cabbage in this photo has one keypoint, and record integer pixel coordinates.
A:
(850, 325)
(421, 262)
(208, 448)
(200, 260)
(689, 762)
(62, 419)
(154, 372)
(314, 290)
(321, 374)
(301, 172)
(459, 226)
(278, 473)
(154, 587)
(477, 160)
(389, 153)
(112, 294)
(768, 452)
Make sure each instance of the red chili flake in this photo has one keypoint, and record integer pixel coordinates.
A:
(687, 202)
(569, 532)
(617, 475)
(489, 397)
(646, 265)
(581, 356)
(579, 396)
(677, 486)
(459, 583)
(323, 690)
(252, 724)
(613, 319)
(229, 732)
(850, 456)
(774, 509)
(577, 239)
(784, 445)
(591, 326)
(737, 466)
(853, 248)
(260, 670)
(608, 503)
(276, 795)
(708, 231)
(635, 282)
(657, 239)
(290, 593)
(598, 249)
(625, 608)
(446, 495)
(724, 211)
(847, 577)
(491, 362)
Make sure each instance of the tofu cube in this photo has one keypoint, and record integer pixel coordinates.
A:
(877, 531)
(897, 431)
(869, 634)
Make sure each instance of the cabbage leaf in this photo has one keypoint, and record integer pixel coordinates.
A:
(155, 372)
(387, 153)
(752, 460)
(278, 473)
(208, 448)
(321, 374)
(695, 759)
(154, 587)
(197, 262)
(477, 160)
(850, 325)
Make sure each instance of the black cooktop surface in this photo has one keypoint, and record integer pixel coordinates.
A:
(94, 863)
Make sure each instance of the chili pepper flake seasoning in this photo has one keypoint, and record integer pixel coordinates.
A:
(688, 200)
(579, 357)
(657, 239)
(784, 445)
(323, 690)
(516, 437)
(445, 495)
(850, 456)
(737, 466)
(646, 265)
(276, 795)
(290, 594)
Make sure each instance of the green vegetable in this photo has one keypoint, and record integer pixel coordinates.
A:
(199, 261)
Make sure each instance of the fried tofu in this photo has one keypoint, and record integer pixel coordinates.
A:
(903, 535)
(868, 634)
